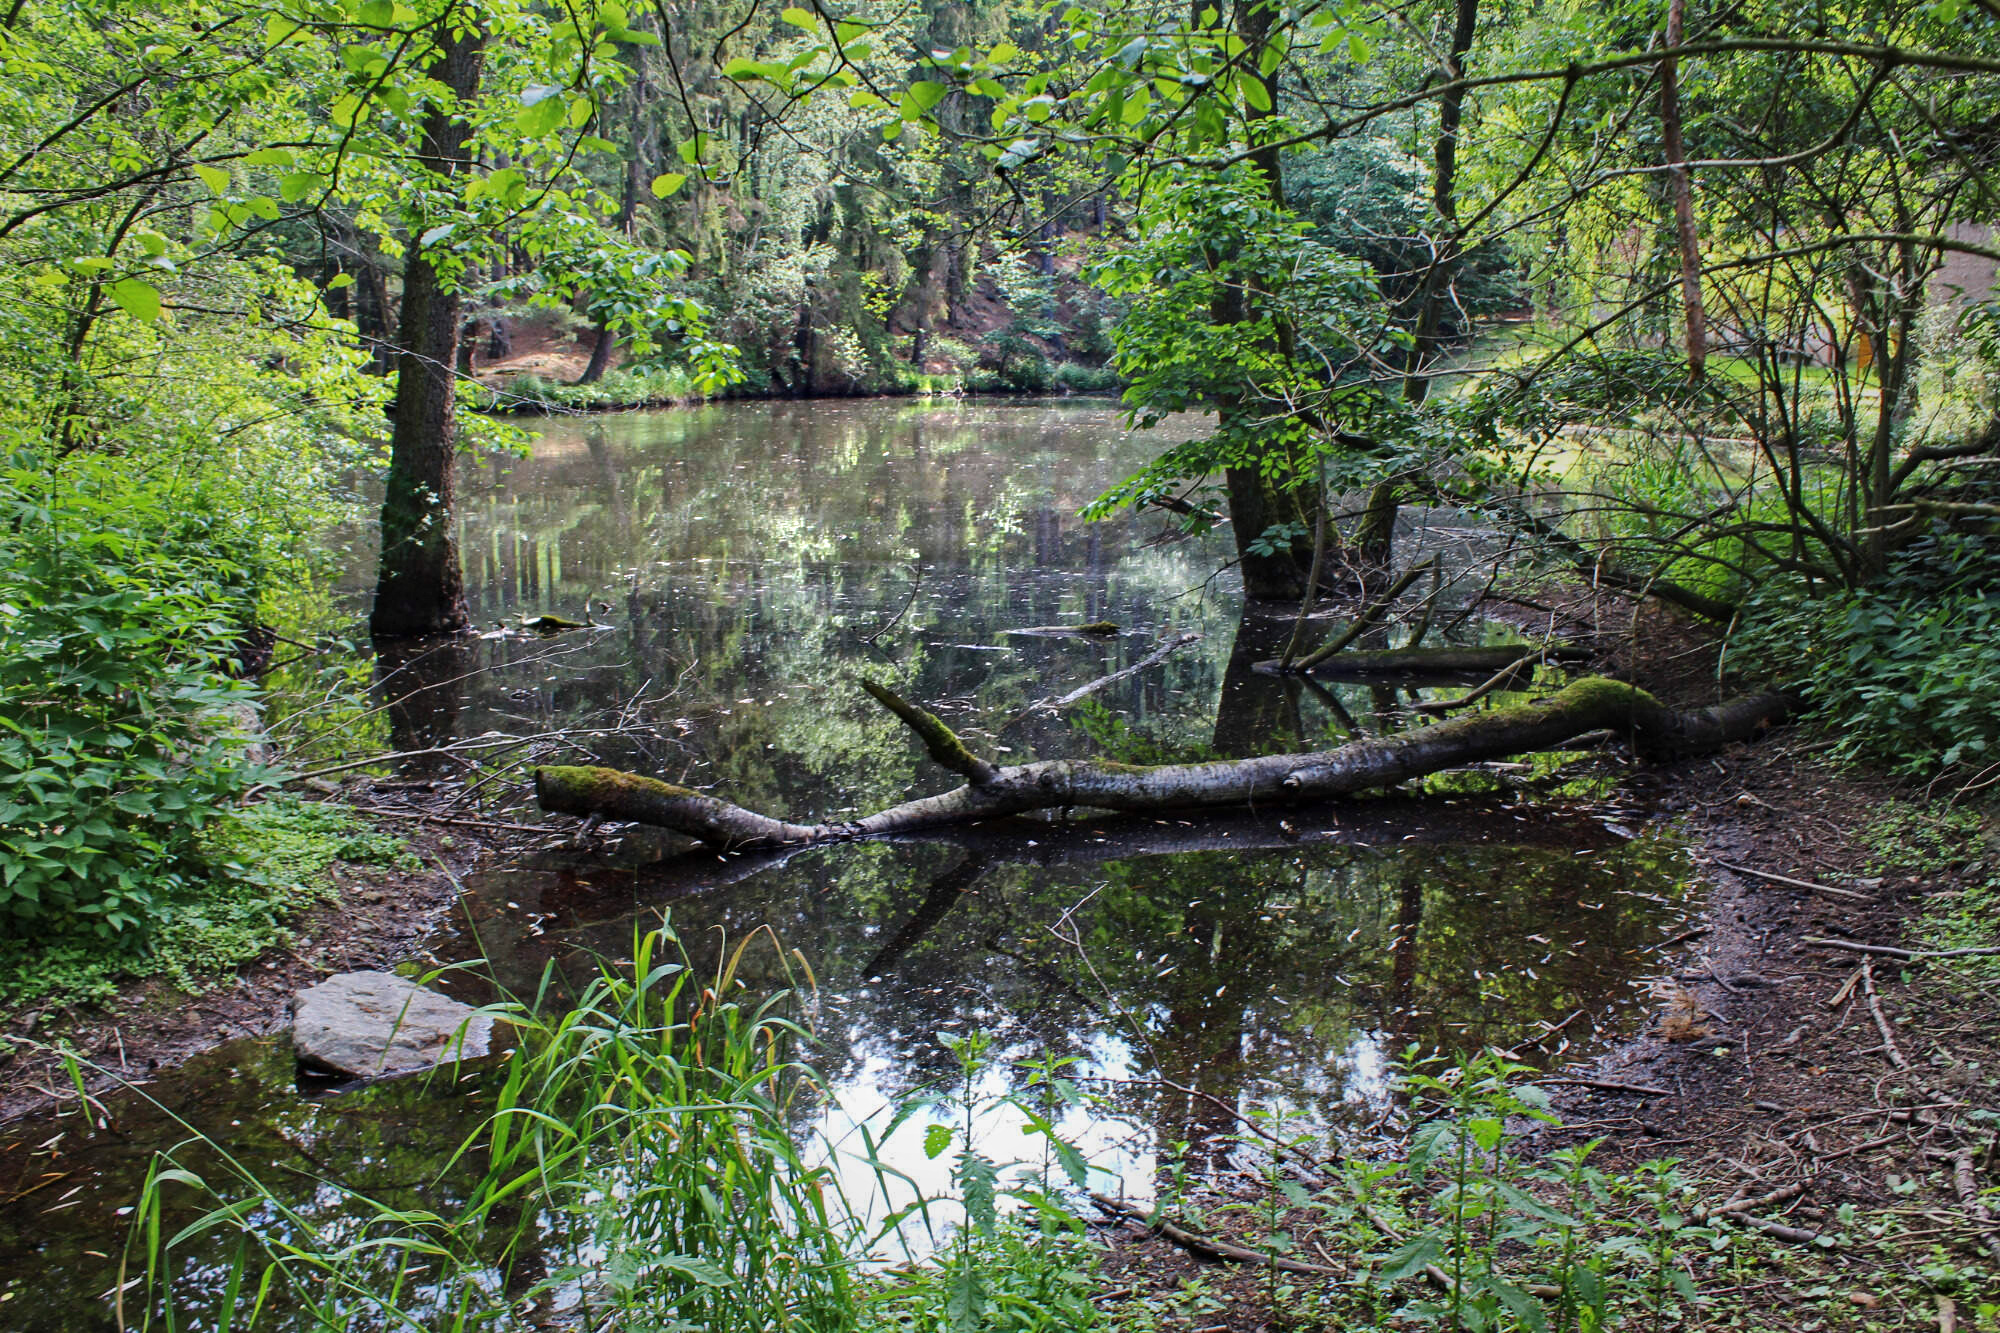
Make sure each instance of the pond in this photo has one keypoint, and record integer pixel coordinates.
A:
(745, 566)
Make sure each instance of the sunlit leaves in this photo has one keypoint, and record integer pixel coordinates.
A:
(139, 299)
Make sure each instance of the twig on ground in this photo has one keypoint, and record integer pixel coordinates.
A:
(1890, 951)
(1853, 895)
(1889, 1046)
(1206, 1246)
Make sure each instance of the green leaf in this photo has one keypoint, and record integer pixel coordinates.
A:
(1255, 94)
(269, 157)
(541, 117)
(296, 185)
(665, 186)
(215, 178)
(801, 18)
(936, 1139)
(140, 300)
(921, 97)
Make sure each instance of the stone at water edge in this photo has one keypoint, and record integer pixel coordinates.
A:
(373, 1024)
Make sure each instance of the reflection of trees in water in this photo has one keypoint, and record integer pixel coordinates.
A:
(1287, 972)
(750, 554)
(386, 1143)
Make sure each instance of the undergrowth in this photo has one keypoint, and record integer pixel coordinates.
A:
(1955, 853)
(1907, 669)
(260, 868)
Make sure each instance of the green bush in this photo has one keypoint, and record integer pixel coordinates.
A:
(1907, 669)
(1076, 377)
(120, 726)
(254, 871)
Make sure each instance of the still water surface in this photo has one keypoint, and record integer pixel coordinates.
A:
(746, 566)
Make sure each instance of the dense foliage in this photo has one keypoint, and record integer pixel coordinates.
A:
(122, 731)
(1456, 256)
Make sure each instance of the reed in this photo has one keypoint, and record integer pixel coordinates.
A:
(643, 1167)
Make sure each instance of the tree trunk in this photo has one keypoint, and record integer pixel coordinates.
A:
(420, 589)
(600, 355)
(1683, 192)
(1259, 502)
(991, 792)
(1443, 270)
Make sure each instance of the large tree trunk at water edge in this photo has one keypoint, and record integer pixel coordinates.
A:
(990, 792)
(420, 589)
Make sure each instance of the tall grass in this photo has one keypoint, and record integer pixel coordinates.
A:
(640, 1170)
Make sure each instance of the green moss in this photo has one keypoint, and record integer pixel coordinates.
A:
(941, 741)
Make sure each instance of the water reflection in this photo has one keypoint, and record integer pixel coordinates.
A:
(746, 565)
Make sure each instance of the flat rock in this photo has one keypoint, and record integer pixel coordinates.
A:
(375, 1024)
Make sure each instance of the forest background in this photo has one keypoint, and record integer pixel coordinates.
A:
(1694, 302)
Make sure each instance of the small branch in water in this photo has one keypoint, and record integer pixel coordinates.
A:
(1096, 629)
(916, 582)
(1425, 661)
(1076, 696)
(941, 741)
(1439, 707)
(1364, 622)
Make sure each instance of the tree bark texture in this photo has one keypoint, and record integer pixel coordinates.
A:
(991, 792)
(420, 589)
(1257, 502)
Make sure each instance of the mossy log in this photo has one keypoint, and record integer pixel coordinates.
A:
(992, 792)
(1424, 661)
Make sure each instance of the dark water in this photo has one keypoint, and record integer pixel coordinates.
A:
(748, 566)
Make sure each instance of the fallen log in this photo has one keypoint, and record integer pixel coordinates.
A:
(992, 792)
(1427, 661)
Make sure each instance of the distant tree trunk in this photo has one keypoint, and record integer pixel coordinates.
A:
(628, 212)
(1683, 191)
(600, 355)
(1443, 270)
(420, 589)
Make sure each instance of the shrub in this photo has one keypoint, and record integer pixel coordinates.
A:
(1909, 667)
(120, 730)
(1075, 377)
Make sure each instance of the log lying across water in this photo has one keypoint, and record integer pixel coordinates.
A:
(1425, 661)
(993, 792)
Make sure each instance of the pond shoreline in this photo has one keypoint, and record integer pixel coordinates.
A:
(383, 916)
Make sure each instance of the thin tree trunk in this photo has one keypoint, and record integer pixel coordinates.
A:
(420, 589)
(991, 792)
(1683, 192)
(600, 355)
(628, 212)
(1259, 501)
(1443, 270)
